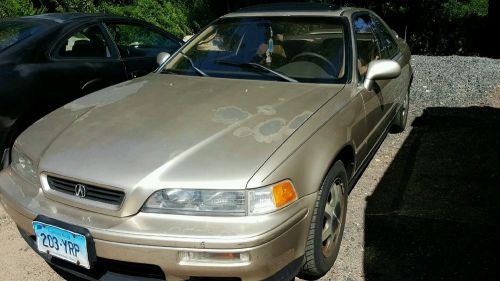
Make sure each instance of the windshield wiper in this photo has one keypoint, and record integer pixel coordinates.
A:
(253, 65)
(194, 66)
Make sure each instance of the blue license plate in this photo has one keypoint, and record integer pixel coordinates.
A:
(62, 243)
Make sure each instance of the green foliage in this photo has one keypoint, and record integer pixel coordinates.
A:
(456, 9)
(200, 13)
(169, 15)
(176, 16)
(432, 26)
(84, 6)
(14, 8)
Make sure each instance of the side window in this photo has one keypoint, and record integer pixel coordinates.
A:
(88, 42)
(366, 43)
(138, 41)
(388, 47)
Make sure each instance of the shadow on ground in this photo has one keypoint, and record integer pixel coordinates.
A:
(435, 214)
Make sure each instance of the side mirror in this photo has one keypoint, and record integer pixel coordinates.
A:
(162, 58)
(381, 70)
(187, 37)
(395, 33)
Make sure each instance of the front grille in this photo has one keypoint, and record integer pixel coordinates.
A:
(93, 192)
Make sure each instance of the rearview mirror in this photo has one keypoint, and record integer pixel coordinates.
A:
(381, 70)
(162, 58)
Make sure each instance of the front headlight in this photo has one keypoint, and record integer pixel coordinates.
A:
(24, 166)
(196, 202)
(222, 202)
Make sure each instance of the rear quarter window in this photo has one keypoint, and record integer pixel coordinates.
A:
(13, 32)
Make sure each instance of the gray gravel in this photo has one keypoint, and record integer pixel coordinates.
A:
(453, 81)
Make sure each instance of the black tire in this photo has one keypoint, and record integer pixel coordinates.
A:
(320, 254)
(4, 158)
(399, 124)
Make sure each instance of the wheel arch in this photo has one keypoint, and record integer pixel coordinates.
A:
(21, 123)
(307, 159)
(348, 158)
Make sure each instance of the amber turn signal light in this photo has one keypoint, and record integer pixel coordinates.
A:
(284, 193)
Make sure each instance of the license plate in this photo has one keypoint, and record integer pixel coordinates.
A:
(61, 243)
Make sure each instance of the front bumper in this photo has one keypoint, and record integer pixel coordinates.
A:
(273, 241)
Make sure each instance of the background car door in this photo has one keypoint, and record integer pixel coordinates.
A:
(139, 45)
(83, 61)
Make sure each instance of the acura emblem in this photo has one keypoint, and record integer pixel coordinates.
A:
(80, 190)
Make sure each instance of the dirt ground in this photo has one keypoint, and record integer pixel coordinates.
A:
(426, 208)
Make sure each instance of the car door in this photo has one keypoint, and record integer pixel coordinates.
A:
(375, 102)
(139, 45)
(82, 61)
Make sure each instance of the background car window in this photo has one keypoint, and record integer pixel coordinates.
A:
(12, 32)
(88, 42)
(388, 47)
(366, 43)
(138, 41)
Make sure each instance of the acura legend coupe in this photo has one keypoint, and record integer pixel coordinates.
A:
(234, 160)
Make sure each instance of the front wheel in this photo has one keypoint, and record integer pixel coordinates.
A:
(327, 224)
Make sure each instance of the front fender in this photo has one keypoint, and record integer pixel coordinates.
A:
(307, 158)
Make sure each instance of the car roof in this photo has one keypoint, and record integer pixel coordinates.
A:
(294, 9)
(68, 17)
(290, 7)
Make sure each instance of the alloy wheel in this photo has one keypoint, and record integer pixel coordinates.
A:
(332, 218)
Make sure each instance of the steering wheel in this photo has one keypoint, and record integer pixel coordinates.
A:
(330, 65)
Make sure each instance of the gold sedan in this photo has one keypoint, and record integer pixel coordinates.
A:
(233, 160)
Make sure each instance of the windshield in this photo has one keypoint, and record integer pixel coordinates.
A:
(289, 49)
(13, 32)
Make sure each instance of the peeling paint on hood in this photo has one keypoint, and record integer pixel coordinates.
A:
(169, 131)
(274, 129)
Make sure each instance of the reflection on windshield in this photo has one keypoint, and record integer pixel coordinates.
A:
(259, 67)
(303, 49)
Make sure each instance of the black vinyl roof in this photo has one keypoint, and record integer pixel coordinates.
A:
(296, 7)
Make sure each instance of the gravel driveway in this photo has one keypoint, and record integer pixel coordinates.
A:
(428, 205)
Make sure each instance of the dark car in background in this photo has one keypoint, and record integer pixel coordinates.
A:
(49, 60)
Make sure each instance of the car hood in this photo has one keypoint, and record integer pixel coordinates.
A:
(170, 131)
